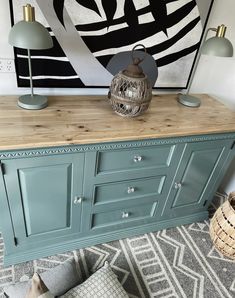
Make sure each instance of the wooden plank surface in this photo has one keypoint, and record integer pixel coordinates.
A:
(89, 119)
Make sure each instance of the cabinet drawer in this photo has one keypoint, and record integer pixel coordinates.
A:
(137, 158)
(135, 188)
(123, 215)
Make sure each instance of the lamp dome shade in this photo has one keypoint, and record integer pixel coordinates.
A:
(30, 35)
(218, 46)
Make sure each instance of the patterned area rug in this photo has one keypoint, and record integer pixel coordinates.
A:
(177, 262)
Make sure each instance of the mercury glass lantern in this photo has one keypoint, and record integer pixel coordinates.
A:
(130, 91)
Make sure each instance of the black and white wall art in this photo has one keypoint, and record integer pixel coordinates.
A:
(88, 33)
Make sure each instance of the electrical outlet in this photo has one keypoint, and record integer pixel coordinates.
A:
(7, 65)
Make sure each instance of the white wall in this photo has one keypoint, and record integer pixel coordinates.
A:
(7, 81)
(215, 76)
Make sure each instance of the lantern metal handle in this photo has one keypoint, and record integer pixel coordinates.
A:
(145, 51)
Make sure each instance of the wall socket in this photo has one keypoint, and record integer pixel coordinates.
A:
(7, 65)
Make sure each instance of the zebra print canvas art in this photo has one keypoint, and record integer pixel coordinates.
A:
(88, 33)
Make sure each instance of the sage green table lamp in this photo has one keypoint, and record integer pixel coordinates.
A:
(216, 46)
(31, 35)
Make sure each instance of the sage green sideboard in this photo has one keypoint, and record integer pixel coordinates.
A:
(57, 199)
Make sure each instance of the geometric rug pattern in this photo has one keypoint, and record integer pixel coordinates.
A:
(178, 262)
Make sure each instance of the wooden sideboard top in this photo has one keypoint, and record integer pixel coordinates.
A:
(89, 119)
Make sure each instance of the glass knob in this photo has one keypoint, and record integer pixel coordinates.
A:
(125, 214)
(78, 200)
(178, 185)
(130, 189)
(137, 158)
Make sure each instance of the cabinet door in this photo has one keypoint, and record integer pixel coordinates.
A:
(41, 193)
(196, 179)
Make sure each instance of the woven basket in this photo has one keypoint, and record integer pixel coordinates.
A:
(222, 227)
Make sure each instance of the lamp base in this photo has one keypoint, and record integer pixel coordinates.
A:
(189, 100)
(35, 102)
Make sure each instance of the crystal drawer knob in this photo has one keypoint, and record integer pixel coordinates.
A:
(130, 189)
(125, 214)
(137, 158)
(78, 200)
(177, 185)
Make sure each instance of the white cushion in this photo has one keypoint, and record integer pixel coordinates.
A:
(102, 284)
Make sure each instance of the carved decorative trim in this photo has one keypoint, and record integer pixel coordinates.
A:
(111, 146)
